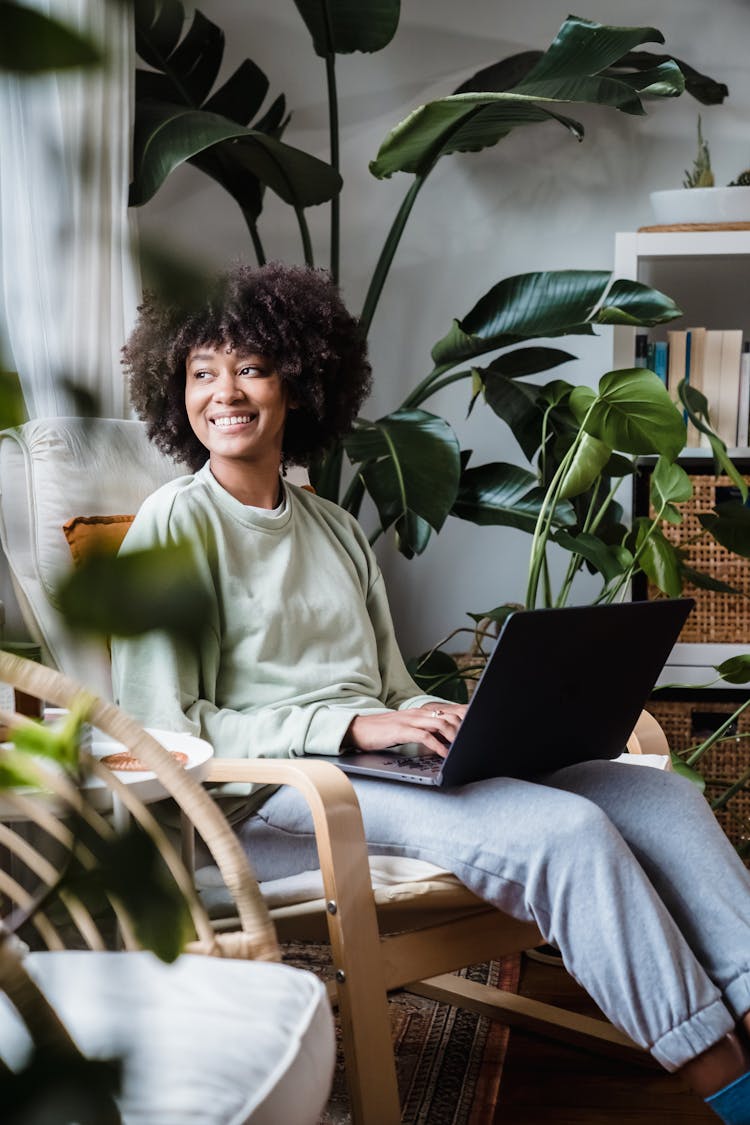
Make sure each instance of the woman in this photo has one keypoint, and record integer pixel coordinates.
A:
(652, 915)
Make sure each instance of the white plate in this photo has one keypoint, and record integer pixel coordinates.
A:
(147, 785)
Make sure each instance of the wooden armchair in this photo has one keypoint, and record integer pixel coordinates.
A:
(412, 936)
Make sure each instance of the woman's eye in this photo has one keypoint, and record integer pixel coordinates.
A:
(251, 371)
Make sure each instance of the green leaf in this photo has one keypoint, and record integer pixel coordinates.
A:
(632, 412)
(529, 305)
(32, 42)
(696, 407)
(51, 1079)
(12, 406)
(567, 72)
(130, 868)
(58, 741)
(571, 70)
(459, 123)
(528, 361)
(684, 770)
(608, 561)
(670, 484)
(520, 405)
(499, 614)
(590, 457)
(170, 135)
(706, 581)
(735, 670)
(410, 463)
(438, 674)
(658, 559)
(503, 495)
(343, 26)
(632, 303)
(704, 89)
(133, 593)
(729, 524)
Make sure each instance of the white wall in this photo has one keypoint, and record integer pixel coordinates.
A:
(537, 201)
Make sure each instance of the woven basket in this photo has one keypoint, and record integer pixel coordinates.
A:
(723, 764)
(719, 618)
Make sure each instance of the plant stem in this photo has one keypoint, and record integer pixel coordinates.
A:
(733, 789)
(305, 234)
(333, 129)
(717, 735)
(387, 253)
(624, 579)
(252, 226)
(424, 389)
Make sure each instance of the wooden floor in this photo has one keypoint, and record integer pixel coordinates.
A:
(545, 1082)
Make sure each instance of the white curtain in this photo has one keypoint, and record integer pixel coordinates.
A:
(70, 286)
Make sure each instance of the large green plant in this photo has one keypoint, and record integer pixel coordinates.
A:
(409, 461)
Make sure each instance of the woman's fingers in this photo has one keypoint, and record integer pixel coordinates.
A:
(391, 728)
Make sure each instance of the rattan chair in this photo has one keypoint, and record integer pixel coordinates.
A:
(211, 1034)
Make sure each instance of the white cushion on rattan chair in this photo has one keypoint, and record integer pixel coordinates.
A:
(208, 1041)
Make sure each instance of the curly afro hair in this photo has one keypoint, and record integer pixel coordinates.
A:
(293, 315)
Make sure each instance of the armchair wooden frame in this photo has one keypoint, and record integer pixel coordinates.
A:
(413, 948)
(415, 945)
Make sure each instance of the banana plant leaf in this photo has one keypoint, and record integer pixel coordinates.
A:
(527, 361)
(509, 72)
(178, 119)
(410, 464)
(167, 136)
(658, 558)
(32, 42)
(632, 412)
(569, 71)
(339, 27)
(572, 69)
(729, 524)
(550, 303)
(504, 495)
(520, 405)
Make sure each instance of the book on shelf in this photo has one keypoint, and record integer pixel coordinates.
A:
(725, 421)
(743, 405)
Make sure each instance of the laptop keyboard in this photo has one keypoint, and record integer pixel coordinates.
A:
(422, 763)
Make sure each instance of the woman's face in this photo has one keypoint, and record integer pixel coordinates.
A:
(236, 405)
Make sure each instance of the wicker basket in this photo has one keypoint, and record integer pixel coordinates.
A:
(717, 617)
(686, 722)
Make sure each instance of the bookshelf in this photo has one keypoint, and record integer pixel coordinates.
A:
(707, 272)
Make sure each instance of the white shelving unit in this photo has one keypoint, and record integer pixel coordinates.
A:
(708, 274)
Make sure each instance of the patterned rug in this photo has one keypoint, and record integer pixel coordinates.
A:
(448, 1060)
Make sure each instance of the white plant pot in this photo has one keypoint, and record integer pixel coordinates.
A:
(702, 205)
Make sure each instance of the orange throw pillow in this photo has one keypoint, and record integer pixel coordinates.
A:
(89, 535)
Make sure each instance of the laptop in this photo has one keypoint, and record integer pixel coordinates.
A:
(561, 686)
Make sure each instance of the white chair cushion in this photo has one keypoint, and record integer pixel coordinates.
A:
(52, 469)
(207, 1041)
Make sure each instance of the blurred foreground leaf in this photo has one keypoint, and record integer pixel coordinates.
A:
(438, 674)
(124, 595)
(32, 42)
(130, 868)
(12, 406)
(61, 1087)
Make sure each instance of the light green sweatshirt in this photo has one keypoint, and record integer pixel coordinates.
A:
(301, 638)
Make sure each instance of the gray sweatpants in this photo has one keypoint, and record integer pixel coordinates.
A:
(623, 867)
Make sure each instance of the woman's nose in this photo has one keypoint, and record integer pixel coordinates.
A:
(226, 388)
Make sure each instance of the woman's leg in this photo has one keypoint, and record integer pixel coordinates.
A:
(669, 827)
(545, 855)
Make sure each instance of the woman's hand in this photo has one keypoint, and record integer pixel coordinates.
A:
(433, 726)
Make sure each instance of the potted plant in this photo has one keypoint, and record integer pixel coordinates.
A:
(700, 200)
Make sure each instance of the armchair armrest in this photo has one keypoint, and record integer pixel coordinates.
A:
(352, 920)
(647, 737)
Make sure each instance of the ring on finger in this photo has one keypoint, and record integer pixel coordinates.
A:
(437, 714)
